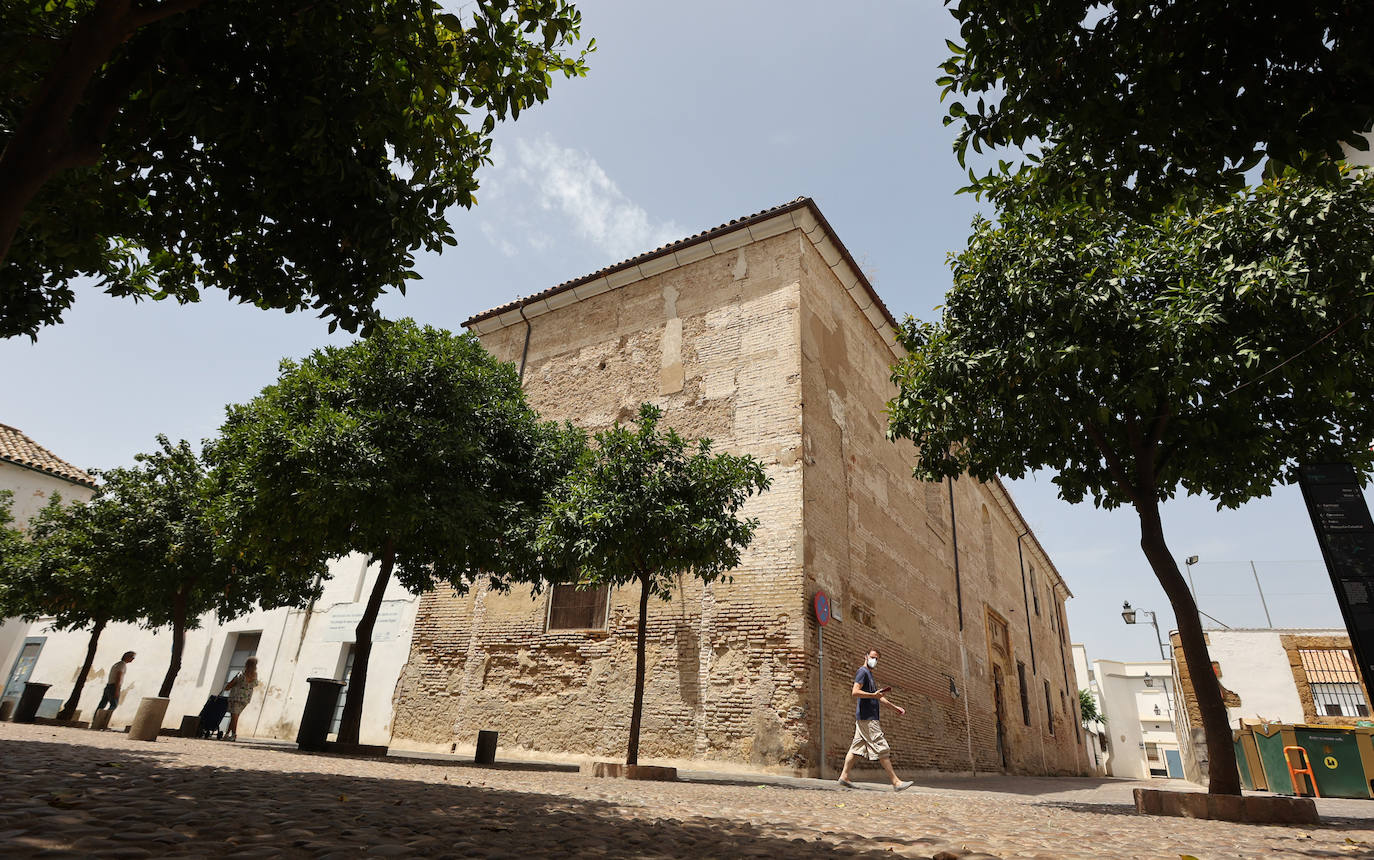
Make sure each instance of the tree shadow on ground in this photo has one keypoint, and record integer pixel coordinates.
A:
(59, 799)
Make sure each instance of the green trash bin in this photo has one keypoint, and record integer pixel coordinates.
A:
(1269, 743)
(1334, 754)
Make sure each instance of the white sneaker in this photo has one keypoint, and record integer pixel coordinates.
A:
(903, 786)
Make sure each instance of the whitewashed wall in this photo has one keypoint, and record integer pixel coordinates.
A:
(32, 490)
(294, 645)
(1255, 667)
(1131, 722)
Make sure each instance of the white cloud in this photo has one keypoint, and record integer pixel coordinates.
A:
(500, 243)
(573, 184)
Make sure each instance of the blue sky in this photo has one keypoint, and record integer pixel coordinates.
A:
(692, 114)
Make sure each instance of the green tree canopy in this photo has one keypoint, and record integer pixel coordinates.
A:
(65, 574)
(645, 506)
(412, 446)
(158, 531)
(1087, 709)
(1208, 353)
(295, 155)
(1142, 99)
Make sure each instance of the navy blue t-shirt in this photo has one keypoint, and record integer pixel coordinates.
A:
(867, 708)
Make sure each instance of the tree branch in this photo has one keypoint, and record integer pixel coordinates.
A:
(149, 15)
(1114, 464)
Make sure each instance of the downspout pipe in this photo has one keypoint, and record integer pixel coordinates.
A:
(1025, 597)
(525, 352)
(954, 536)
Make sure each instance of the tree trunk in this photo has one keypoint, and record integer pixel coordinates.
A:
(75, 698)
(632, 756)
(43, 145)
(350, 724)
(178, 643)
(1224, 778)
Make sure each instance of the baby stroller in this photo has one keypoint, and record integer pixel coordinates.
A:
(212, 715)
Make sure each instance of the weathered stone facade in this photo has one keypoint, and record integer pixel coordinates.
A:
(764, 336)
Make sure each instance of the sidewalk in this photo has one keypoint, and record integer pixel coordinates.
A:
(72, 793)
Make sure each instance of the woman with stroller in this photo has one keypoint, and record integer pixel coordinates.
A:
(240, 694)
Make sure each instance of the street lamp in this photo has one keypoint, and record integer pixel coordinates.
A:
(1128, 614)
(1188, 563)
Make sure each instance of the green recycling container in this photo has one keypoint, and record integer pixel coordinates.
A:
(1269, 743)
(1334, 754)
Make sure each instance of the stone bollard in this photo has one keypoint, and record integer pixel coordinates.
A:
(100, 720)
(486, 748)
(148, 719)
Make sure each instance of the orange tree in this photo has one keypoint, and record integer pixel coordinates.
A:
(412, 446)
(1207, 351)
(62, 571)
(643, 506)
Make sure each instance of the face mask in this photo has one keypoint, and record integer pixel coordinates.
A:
(872, 662)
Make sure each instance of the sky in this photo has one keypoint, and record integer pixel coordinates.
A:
(691, 115)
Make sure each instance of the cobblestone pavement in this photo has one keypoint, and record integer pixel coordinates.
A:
(67, 792)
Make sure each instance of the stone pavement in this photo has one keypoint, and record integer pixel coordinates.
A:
(72, 793)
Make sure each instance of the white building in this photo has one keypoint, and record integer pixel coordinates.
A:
(1095, 732)
(1138, 703)
(291, 645)
(33, 474)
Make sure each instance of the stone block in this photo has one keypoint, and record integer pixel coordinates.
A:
(616, 770)
(1148, 802)
(1247, 810)
(1225, 807)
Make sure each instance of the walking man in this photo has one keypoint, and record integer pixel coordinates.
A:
(115, 681)
(868, 735)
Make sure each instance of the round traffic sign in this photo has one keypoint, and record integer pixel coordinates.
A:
(822, 608)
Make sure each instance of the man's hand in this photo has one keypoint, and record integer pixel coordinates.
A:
(901, 712)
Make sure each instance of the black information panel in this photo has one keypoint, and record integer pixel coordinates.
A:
(1346, 534)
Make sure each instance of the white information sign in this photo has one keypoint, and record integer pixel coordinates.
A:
(343, 621)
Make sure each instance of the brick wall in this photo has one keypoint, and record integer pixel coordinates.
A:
(881, 544)
(715, 343)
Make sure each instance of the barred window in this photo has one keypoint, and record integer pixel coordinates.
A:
(574, 608)
(1334, 682)
(1049, 708)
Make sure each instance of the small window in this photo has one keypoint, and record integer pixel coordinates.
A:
(1035, 592)
(1049, 708)
(575, 608)
(1025, 696)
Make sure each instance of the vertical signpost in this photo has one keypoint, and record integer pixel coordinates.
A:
(822, 604)
(1346, 535)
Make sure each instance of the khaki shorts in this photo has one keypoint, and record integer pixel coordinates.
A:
(869, 741)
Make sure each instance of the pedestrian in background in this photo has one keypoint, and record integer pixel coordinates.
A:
(115, 681)
(240, 694)
(868, 734)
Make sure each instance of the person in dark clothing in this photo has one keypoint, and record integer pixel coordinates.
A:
(868, 734)
(114, 681)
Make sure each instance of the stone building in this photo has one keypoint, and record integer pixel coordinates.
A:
(1272, 675)
(764, 335)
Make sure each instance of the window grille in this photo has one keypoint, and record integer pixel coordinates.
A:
(574, 608)
(1334, 682)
